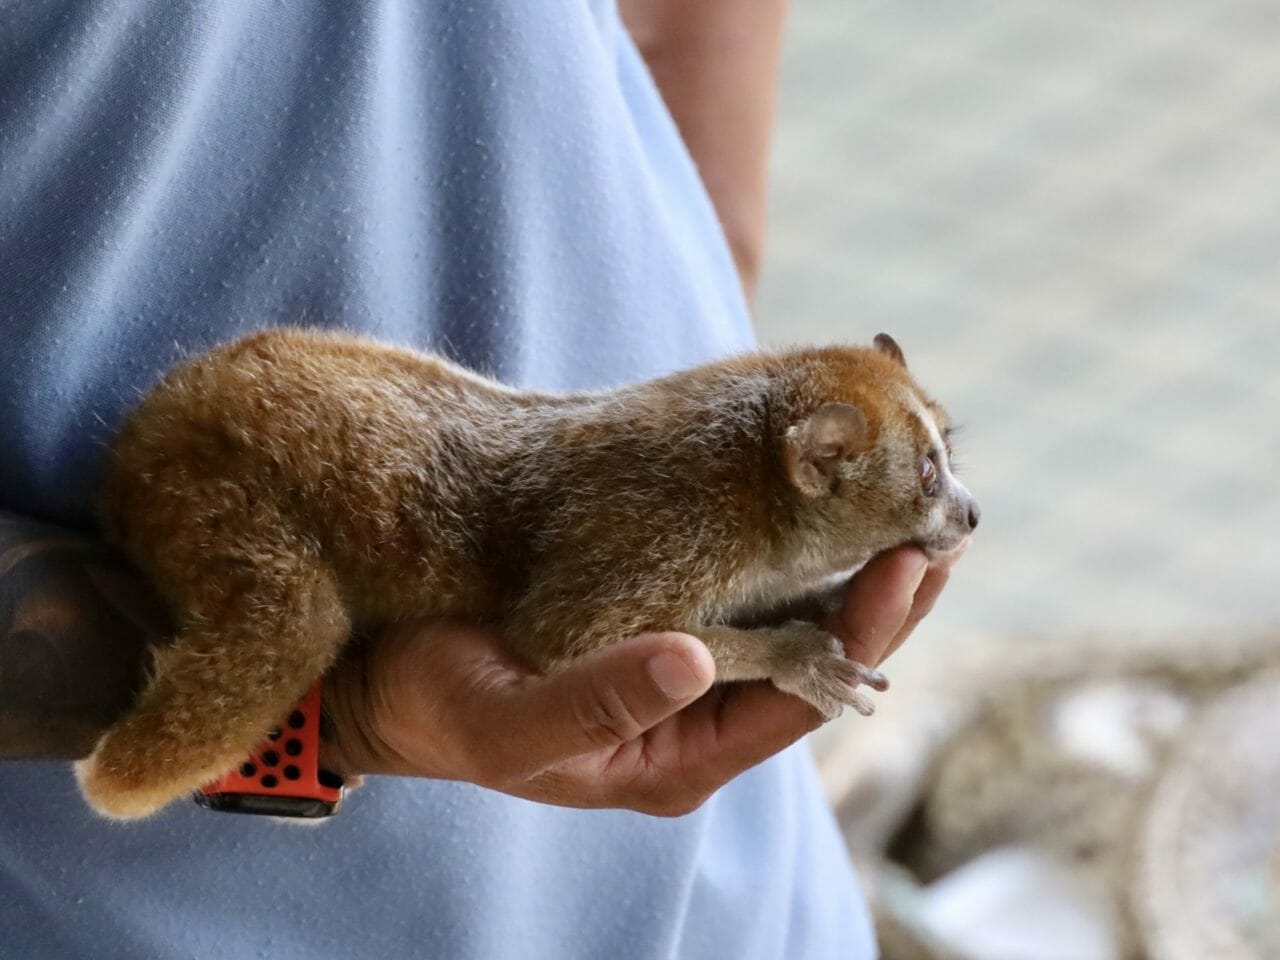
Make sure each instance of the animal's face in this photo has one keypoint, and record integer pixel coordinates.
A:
(875, 464)
(927, 499)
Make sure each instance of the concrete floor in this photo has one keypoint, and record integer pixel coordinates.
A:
(1069, 217)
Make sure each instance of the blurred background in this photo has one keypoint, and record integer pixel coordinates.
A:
(1068, 215)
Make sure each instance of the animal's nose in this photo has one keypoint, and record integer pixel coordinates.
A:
(974, 514)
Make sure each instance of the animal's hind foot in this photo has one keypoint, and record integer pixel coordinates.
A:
(149, 759)
(124, 782)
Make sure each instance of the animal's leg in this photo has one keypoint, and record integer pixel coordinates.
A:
(245, 657)
(799, 658)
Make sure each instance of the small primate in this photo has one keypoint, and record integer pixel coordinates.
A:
(289, 488)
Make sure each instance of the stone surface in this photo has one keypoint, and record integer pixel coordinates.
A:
(1069, 216)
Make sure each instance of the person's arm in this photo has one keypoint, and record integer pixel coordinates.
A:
(716, 64)
(625, 727)
(608, 730)
(75, 626)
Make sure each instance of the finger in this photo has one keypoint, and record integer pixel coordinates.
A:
(878, 603)
(683, 760)
(598, 701)
(927, 594)
(935, 578)
(749, 724)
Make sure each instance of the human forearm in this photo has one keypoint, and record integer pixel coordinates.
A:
(716, 64)
(75, 626)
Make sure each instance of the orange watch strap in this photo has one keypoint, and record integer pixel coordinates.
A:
(283, 776)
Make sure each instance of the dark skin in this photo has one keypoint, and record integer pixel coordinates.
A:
(75, 627)
(601, 733)
(433, 699)
(716, 64)
(635, 726)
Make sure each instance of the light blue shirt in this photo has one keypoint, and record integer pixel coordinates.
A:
(496, 181)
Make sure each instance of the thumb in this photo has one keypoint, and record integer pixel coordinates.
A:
(606, 698)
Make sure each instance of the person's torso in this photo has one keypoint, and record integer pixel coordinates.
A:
(495, 181)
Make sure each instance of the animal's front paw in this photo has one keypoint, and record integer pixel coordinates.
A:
(816, 670)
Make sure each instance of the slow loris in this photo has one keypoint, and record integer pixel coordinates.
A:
(288, 487)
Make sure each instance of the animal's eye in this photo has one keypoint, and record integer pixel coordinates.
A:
(928, 476)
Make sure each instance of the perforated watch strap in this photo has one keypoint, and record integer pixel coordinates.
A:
(282, 777)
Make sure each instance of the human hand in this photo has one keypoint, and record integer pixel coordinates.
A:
(629, 726)
(887, 600)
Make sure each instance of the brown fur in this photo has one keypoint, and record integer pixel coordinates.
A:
(283, 488)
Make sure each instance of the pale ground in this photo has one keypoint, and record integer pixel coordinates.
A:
(1068, 214)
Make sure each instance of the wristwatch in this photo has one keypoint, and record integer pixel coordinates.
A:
(282, 778)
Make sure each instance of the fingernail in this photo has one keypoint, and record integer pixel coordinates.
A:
(876, 680)
(673, 675)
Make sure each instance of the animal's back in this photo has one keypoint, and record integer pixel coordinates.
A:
(305, 442)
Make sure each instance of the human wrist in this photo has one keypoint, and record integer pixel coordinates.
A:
(347, 747)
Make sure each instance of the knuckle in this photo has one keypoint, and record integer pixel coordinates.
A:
(604, 715)
(670, 801)
(678, 806)
(487, 761)
(484, 768)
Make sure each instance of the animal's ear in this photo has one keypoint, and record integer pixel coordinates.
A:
(889, 347)
(816, 446)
